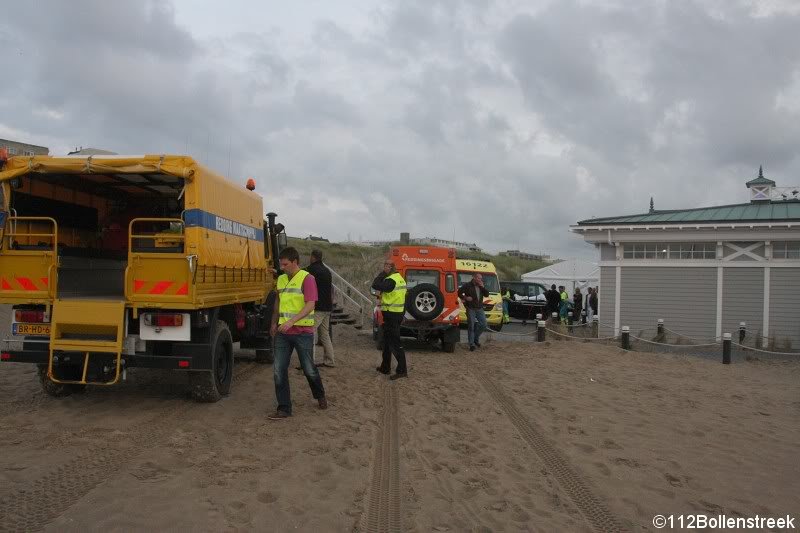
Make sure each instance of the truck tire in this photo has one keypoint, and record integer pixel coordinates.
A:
(210, 386)
(266, 356)
(424, 301)
(448, 347)
(498, 327)
(59, 390)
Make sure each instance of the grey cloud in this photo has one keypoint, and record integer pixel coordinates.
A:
(436, 115)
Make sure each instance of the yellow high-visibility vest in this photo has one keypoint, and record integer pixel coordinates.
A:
(395, 301)
(292, 300)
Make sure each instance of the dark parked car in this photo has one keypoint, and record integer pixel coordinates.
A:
(527, 299)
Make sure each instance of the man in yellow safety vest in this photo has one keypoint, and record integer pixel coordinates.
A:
(392, 287)
(293, 329)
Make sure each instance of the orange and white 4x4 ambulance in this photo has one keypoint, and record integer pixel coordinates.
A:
(432, 310)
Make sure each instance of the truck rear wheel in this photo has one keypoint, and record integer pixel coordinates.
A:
(448, 347)
(266, 356)
(211, 385)
(59, 390)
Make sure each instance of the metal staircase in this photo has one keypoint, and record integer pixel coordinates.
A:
(350, 305)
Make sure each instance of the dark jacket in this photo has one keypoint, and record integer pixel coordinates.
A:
(553, 299)
(382, 283)
(322, 274)
(577, 305)
(478, 294)
(593, 302)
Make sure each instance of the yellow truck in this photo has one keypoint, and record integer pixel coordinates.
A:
(493, 305)
(114, 262)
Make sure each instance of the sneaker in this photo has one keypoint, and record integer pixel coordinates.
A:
(279, 415)
(477, 344)
(398, 375)
(382, 371)
(323, 403)
(472, 348)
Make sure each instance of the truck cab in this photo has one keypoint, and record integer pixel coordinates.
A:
(431, 310)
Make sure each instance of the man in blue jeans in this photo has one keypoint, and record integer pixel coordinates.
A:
(293, 329)
(472, 294)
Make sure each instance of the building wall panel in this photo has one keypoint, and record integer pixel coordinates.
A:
(685, 297)
(784, 308)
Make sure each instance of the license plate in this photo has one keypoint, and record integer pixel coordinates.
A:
(42, 330)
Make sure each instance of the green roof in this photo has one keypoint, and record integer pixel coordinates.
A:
(761, 180)
(754, 212)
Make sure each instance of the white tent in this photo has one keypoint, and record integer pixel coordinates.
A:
(571, 273)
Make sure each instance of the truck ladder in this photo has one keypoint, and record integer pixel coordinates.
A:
(87, 327)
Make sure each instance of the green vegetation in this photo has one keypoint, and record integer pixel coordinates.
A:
(356, 264)
(360, 264)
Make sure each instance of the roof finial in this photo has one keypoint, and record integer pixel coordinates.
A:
(760, 171)
(652, 206)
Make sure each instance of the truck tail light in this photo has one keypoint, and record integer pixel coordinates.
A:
(31, 316)
(164, 320)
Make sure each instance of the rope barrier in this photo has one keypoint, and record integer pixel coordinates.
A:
(673, 345)
(696, 339)
(764, 351)
(581, 338)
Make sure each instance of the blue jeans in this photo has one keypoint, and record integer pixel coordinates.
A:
(304, 344)
(476, 324)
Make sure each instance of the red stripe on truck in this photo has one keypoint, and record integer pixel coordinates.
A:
(27, 284)
(160, 287)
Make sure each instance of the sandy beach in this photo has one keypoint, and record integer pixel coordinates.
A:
(559, 436)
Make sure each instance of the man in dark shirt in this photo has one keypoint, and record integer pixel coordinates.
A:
(472, 294)
(322, 312)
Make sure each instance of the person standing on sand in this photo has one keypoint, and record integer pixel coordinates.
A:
(293, 329)
(563, 308)
(577, 305)
(552, 297)
(472, 294)
(592, 304)
(392, 288)
(323, 309)
(589, 310)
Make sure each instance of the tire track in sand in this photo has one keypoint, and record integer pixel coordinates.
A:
(383, 506)
(46, 498)
(591, 507)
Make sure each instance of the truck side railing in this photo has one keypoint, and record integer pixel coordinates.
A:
(352, 299)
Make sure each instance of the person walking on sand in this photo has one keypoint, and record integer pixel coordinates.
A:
(323, 309)
(472, 294)
(392, 288)
(293, 329)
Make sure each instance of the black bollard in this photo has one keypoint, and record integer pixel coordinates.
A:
(726, 349)
(660, 327)
(742, 331)
(626, 338)
(569, 322)
(541, 327)
(583, 317)
(538, 317)
(555, 318)
(595, 326)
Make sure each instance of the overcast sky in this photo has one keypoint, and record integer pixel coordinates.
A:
(499, 122)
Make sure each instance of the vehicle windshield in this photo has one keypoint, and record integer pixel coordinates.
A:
(415, 277)
(489, 280)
